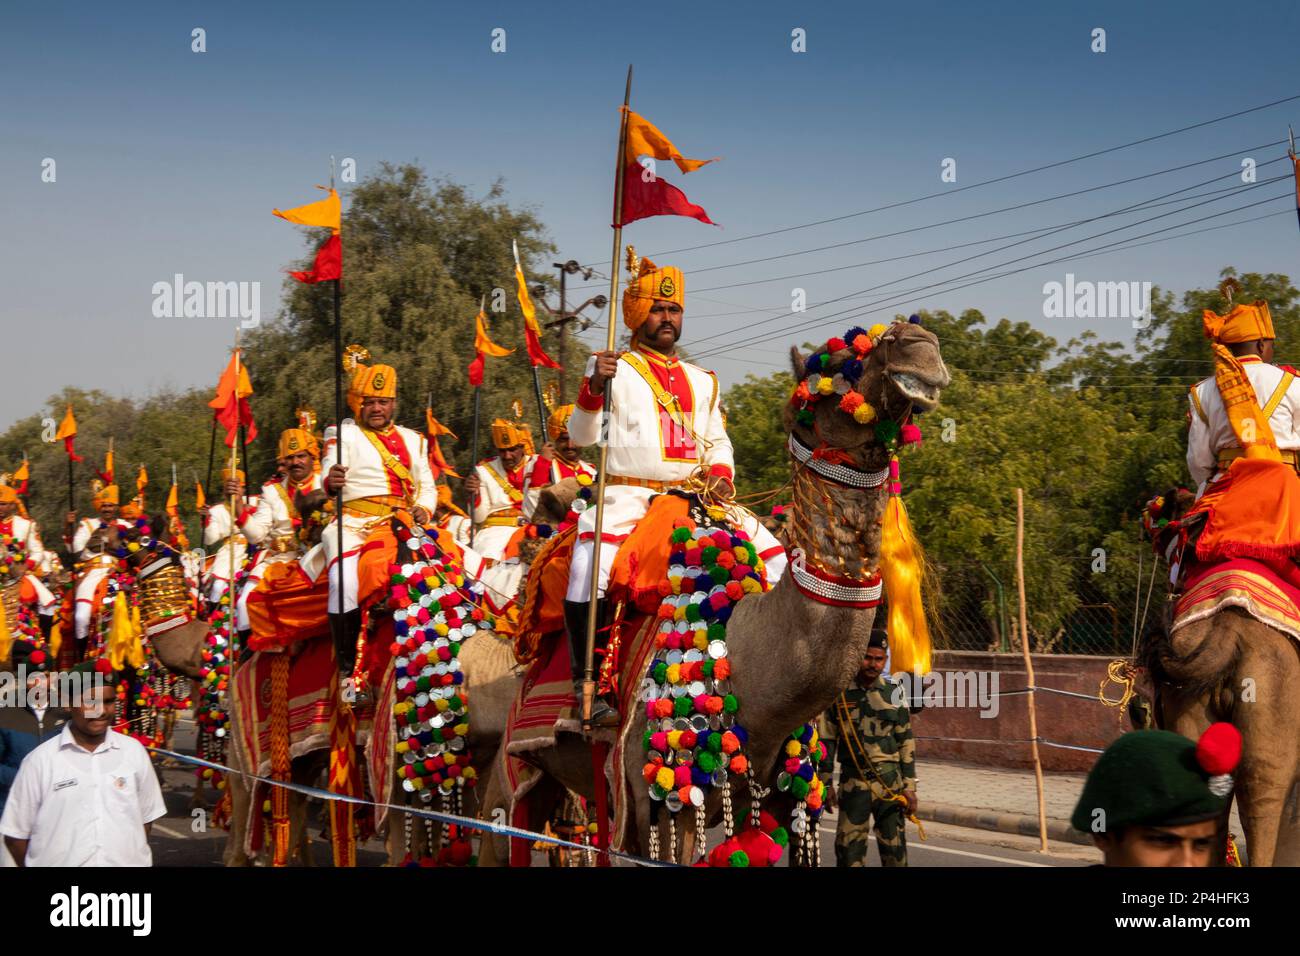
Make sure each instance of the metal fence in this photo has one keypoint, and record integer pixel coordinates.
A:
(973, 610)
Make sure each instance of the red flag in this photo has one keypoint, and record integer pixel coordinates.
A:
(328, 264)
(231, 403)
(644, 193)
(476, 370)
(532, 331)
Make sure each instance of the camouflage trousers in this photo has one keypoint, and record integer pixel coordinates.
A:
(859, 809)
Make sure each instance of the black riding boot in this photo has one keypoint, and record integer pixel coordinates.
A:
(46, 622)
(575, 626)
(345, 628)
(245, 652)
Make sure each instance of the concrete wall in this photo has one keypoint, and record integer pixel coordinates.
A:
(988, 740)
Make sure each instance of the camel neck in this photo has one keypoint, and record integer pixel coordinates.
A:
(837, 529)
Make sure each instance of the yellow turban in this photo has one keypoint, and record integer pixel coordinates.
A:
(239, 474)
(371, 381)
(559, 421)
(131, 510)
(7, 494)
(445, 502)
(509, 434)
(1245, 323)
(650, 284)
(295, 440)
(105, 496)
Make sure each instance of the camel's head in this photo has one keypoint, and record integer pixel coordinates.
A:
(852, 389)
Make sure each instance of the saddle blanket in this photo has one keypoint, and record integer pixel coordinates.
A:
(1268, 591)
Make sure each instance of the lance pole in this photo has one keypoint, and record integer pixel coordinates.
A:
(588, 674)
(232, 503)
(478, 397)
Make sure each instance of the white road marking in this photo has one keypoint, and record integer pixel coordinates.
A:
(1005, 861)
(171, 833)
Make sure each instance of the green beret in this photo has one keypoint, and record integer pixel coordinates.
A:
(1159, 778)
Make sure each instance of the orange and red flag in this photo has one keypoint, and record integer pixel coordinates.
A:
(483, 346)
(532, 331)
(326, 213)
(68, 432)
(231, 403)
(645, 194)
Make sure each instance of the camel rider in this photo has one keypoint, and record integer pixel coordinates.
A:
(273, 525)
(1212, 442)
(496, 488)
(384, 469)
(666, 425)
(560, 458)
(22, 557)
(86, 540)
(224, 543)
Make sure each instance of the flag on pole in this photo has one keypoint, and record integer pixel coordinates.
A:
(141, 480)
(68, 432)
(435, 429)
(231, 403)
(200, 501)
(326, 213)
(483, 346)
(21, 476)
(645, 194)
(532, 331)
(173, 505)
(106, 476)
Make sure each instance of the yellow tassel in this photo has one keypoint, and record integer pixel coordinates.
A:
(902, 568)
(6, 639)
(119, 632)
(56, 641)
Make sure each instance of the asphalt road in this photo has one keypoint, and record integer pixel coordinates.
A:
(186, 838)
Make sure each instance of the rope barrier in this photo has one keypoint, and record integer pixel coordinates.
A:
(1012, 740)
(468, 823)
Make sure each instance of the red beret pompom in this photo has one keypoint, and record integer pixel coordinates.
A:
(1219, 749)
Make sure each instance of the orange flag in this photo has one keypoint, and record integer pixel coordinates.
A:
(68, 432)
(646, 194)
(532, 331)
(483, 346)
(20, 477)
(437, 462)
(107, 474)
(199, 499)
(141, 479)
(173, 506)
(231, 403)
(327, 213)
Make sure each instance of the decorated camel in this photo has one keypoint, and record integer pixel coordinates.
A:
(791, 649)
(1229, 650)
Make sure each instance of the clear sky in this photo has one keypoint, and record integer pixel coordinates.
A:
(169, 161)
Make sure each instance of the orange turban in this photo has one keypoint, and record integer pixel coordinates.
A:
(131, 510)
(105, 496)
(295, 440)
(239, 474)
(559, 421)
(7, 494)
(509, 434)
(371, 381)
(1245, 323)
(445, 502)
(650, 284)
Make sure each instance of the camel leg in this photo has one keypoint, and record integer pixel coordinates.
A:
(1265, 703)
(494, 803)
(240, 802)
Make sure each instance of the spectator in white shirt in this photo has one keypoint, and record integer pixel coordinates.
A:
(86, 797)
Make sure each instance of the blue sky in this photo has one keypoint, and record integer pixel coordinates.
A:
(169, 161)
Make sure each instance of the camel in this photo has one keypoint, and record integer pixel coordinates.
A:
(791, 655)
(1233, 667)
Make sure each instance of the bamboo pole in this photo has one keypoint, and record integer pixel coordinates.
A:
(588, 672)
(1029, 669)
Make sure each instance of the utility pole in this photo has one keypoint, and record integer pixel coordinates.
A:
(562, 317)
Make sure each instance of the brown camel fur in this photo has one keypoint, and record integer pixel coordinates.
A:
(1235, 668)
(792, 655)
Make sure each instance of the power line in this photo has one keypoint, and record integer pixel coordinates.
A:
(987, 182)
(870, 307)
(1131, 208)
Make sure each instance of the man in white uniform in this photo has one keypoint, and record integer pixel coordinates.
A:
(86, 797)
(273, 525)
(383, 468)
(560, 458)
(85, 540)
(22, 556)
(1212, 445)
(666, 426)
(224, 543)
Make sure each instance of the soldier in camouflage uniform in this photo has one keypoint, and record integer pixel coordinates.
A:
(884, 731)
